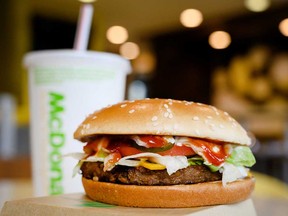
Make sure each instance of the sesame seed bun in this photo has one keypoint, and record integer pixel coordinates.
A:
(176, 196)
(163, 117)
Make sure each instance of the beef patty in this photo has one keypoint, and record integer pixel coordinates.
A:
(142, 176)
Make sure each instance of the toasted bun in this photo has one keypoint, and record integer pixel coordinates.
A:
(163, 117)
(176, 196)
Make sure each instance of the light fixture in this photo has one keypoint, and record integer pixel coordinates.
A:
(283, 27)
(117, 34)
(219, 40)
(129, 50)
(191, 18)
(257, 5)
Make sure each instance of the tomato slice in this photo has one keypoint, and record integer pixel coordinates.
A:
(178, 151)
(153, 141)
(95, 145)
(126, 150)
(157, 144)
(91, 147)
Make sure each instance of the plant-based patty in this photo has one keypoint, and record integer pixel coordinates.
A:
(142, 176)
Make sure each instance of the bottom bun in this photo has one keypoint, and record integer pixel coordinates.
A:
(174, 196)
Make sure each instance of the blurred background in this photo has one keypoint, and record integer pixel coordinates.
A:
(232, 54)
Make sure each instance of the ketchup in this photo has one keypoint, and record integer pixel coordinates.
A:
(214, 153)
(153, 141)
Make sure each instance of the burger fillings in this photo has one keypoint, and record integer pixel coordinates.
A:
(159, 137)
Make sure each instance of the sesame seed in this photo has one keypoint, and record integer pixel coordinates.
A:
(154, 118)
(214, 108)
(170, 115)
(209, 117)
(131, 111)
(86, 126)
(212, 126)
(231, 119)
(188, 103)
(234, 124)
(200, 104)
(94, 117)
(225, 113)
(196, 118)
(169, 110)
(170, 103)
(123, 105)
(166, 114)
(166, 106)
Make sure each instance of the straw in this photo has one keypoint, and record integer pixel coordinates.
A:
(83, 26)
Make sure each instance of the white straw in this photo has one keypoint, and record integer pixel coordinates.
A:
(83, 27)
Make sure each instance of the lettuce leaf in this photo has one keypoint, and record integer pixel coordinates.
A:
(195, 161)
(76, 169)
(241, 156)
(213, 168)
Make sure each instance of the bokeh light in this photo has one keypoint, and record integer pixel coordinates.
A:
(283, 27)
(219, 40)
(257, 5)
(191, 18)
(129, 50)
(117, 34)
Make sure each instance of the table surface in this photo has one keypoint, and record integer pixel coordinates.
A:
(270, 196)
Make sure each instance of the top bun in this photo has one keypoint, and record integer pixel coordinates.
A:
(163, 117)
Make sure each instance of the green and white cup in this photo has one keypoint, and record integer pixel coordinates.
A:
(64, 87)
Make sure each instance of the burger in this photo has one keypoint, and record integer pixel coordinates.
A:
(164, 153)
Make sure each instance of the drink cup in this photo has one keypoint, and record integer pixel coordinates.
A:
(64, 87)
